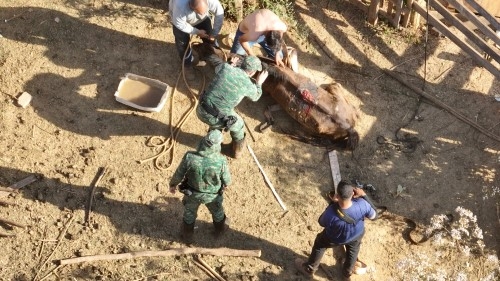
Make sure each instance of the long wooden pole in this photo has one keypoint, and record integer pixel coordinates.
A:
(442, 105)
(165, 253)
(267, 179)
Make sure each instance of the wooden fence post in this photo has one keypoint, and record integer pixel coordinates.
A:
(373, 12)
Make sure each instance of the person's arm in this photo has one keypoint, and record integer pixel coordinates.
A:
(179, 174)
(324, 219)
(245, 45)
(279, 60)
(179, 15)
(360, 193)
(255, 95)
(216, 8)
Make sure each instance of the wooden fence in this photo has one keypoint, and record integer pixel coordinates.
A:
(466, 16)
(478, 29)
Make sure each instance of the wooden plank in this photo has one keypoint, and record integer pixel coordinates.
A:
(471, 35)
(397, 17)
(407, 13)
(474, 19)
(373, 12)
(464, 46)
(334, 167)
(491, 18)
(415, 17)
(390, 7)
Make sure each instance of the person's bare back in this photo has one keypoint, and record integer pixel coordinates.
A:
(257, 23)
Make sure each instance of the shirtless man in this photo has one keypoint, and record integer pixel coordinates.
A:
(263, 27)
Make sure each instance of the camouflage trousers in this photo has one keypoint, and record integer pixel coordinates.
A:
(237, 130)
(193, 202)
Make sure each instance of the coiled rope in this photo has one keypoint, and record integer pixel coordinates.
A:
(167, 145)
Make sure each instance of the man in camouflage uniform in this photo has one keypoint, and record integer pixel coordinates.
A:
(229, 86)
(203, 174)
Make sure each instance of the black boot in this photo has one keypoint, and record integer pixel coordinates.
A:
(187, 232)
(221, 227)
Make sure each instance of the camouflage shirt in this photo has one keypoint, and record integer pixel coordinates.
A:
(206, 169)
(229, 87)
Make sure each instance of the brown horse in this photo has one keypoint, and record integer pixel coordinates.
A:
(322, 112)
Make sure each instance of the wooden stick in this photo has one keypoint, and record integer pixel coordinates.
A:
(215, 273)
(12, 223)
(3, 234)
(267, 179)
(7, 189)
(24, 182)
(53, 271)
(166, 253)
(5, 203)
(204, 269)
(93, 185)
(443, 105)
(59, 239)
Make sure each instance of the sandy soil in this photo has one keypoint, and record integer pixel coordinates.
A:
(70, 56)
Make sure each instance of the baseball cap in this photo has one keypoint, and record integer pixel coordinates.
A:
(251, 63)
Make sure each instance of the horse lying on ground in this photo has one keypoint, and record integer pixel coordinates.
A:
(322, 112)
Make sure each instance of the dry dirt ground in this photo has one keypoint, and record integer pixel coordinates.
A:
(70, 55)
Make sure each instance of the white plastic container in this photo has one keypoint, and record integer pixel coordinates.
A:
(142, 93)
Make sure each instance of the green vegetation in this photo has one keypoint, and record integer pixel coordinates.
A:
(283, 8)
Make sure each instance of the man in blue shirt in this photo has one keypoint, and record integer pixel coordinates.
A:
(343, 222)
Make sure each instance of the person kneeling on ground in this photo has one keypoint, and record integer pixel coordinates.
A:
(263, 27)
(203, 175)
(228, 87)
(343, 222)
(192, 17)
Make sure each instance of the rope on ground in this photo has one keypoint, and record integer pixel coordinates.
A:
(168, 145)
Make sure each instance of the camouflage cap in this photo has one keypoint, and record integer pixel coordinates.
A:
(251, 63)
(213, 137)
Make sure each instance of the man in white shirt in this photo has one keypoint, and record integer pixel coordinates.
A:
(192, 17)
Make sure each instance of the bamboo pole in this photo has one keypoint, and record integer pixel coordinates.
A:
(165, 253)
(209, 268)
(267, 179)
(204, 269)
